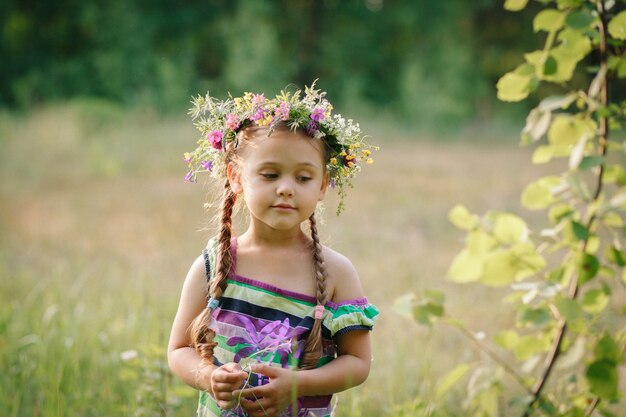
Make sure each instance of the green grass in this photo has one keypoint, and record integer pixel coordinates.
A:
(97, 230)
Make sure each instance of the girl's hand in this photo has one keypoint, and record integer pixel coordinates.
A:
(224, 380)
(271, 399)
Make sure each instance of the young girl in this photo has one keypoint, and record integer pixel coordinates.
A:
(272, 323)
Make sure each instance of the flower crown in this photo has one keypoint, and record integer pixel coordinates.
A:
(221, 121)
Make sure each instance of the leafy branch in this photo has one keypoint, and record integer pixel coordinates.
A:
(563, 279)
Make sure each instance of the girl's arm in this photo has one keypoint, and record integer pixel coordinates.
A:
(354, 352)
(183, 359)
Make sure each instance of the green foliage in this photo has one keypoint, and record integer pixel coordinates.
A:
(429, 64)
(566, 282)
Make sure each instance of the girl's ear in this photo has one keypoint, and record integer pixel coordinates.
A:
(234, 177)
(324, 186)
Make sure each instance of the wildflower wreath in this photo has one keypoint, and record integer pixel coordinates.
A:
(221, 121)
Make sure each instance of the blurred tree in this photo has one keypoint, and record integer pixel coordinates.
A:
(427, 61)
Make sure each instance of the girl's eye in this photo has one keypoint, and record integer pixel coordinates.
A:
(269, 175)
(304, 178)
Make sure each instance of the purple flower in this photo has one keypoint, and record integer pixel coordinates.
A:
(208, 165)
(317, 115)
(333, 184)
(312, 127)
(232, 122)
(189, 177)
(274, 339)
(215, 138)
(259, 115)
(187, 160)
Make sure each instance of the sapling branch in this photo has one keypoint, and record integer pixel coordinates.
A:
(492, 355)
(572, 293)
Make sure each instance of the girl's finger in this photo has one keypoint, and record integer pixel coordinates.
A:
(226, 405)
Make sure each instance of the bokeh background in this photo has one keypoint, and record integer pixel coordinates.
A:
(98, 229)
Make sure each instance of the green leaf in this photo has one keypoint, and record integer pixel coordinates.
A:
(579, 20)
(559, 212)
(500, 269)
(589, 162)
(435, 296)
(508, 339)
(616, 256)
(614, 174)
(426, 311)
(515, 5)
(514, 87)
(617, 26)
(528, 346)
(550, 66)
(607, 348)
(479, 242)
(529, 262)
(542, 154)
(570, 310)
(568, 130)
(403, 305)
(580, 231)
(509, 229)
(451, 379)
(538, 194)
(537, 317)
(460, 216)
(548, 20)
(466, 267)
(594, 301)
(568, 4)
(589, 267)
(602, 377)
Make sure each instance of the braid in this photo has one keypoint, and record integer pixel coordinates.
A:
(313, 346)
(224, 259)
(202, 336)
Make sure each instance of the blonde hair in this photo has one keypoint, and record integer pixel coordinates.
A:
(201, 334)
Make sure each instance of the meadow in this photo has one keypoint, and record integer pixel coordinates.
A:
(98, 229)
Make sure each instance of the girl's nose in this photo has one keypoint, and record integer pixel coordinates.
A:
(285, 188)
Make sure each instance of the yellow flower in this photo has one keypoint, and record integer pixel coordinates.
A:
(343, 153)
(333, 161)
(355, 145)
(265, 121)
(369, 161)
(366, 152)
(350, 164)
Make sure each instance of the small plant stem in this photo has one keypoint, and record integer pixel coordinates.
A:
(592, 407)
(574, 284)
(490, 353)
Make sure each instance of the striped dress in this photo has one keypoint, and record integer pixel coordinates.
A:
(256, 321)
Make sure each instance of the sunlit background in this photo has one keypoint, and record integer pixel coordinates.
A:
(98, 229)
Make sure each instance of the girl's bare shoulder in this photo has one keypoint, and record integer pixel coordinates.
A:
(343, 278)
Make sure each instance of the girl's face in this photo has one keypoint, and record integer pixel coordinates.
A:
(281, 177)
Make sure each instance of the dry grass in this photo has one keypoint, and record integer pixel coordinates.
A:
(97, 230)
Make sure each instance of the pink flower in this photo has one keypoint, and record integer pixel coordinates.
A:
(215, 138)
(317, 115)
(282, 111)
(258, 99)
(232, 122)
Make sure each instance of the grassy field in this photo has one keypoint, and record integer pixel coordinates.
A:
(97, 231)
